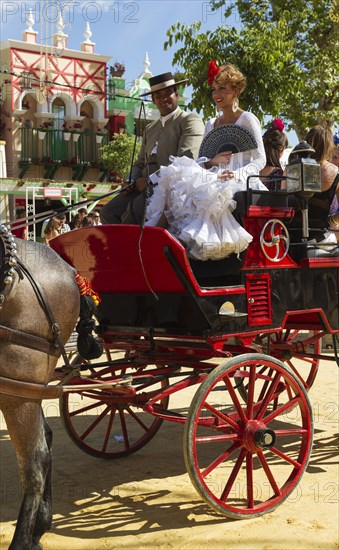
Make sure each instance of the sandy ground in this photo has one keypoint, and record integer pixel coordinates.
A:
(147, 501)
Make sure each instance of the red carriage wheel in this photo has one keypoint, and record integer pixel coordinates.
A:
(106, 424)
(245, 459)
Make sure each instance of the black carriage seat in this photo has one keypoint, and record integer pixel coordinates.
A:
(317, 221)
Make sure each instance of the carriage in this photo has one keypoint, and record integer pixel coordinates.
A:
(245, 330)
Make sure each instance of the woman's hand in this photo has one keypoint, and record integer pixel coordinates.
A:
(220, 158)
(226, 175)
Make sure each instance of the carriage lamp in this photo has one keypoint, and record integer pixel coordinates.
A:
(303, 178)
(302, 172)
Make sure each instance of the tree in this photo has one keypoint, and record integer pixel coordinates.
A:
(288, 49)
(117, 156)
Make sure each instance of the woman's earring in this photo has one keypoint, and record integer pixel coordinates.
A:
(235, 105)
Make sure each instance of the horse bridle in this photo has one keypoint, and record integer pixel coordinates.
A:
(11, 264)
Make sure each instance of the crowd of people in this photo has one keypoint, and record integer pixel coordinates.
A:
(57, 224)
(169, 186)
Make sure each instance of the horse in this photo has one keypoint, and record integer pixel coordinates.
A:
(39, 308)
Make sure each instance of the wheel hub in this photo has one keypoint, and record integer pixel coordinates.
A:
(258, 436)
(264, 438)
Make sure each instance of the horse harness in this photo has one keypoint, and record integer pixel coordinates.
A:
(9, 265)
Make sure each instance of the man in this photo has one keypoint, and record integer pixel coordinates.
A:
(175, 133)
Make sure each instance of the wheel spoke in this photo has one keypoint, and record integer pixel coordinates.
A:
(298, 431)
(285, 457)
(250, 396)
(235, 399)
(269, 396)
(220, 459)
(108, 430)
(124, 428)
(249, 479)
(215, 438)
(137, 419)
(280, 410)
(84, 409)
(268, 473)
(222, 416)
(94, 423)
(265, 385)
(233, 475)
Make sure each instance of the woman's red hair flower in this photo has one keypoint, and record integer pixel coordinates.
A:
(278, 124)
(213, 70)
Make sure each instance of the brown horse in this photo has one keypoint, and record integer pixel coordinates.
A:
(31, 338)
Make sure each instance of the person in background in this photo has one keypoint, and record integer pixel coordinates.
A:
(76, 222)
(82, 212)
(21, 232)
(63, 226)
(96, 217)
(79, 216)
(175, 133)
(321, 139)
(275, 143)
(52, 230)
(335, 153)
(87, 221)
(334, 209)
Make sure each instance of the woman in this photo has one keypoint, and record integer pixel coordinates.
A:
(275, 143)
(196, 203)
(52, 230)
(227, 84)
(321, 139)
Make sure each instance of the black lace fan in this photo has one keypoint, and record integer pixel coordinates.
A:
(228, 137)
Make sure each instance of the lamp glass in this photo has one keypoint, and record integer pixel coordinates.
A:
(293, 173)
(312, 177)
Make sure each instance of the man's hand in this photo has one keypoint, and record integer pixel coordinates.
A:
(141, 183)
(127, 186)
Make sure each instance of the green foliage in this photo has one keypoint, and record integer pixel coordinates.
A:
(117, 155)
(288, 49)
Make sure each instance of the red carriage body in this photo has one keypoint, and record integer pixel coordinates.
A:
(174, 324)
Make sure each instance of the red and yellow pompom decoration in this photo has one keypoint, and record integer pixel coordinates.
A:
(85, 288)
(213, 70)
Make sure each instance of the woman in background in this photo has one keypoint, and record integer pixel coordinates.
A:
(321, 139)
(52, 230)
(275, 143)
(334, 210)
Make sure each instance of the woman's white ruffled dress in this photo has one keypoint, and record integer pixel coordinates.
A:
(198, 207)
